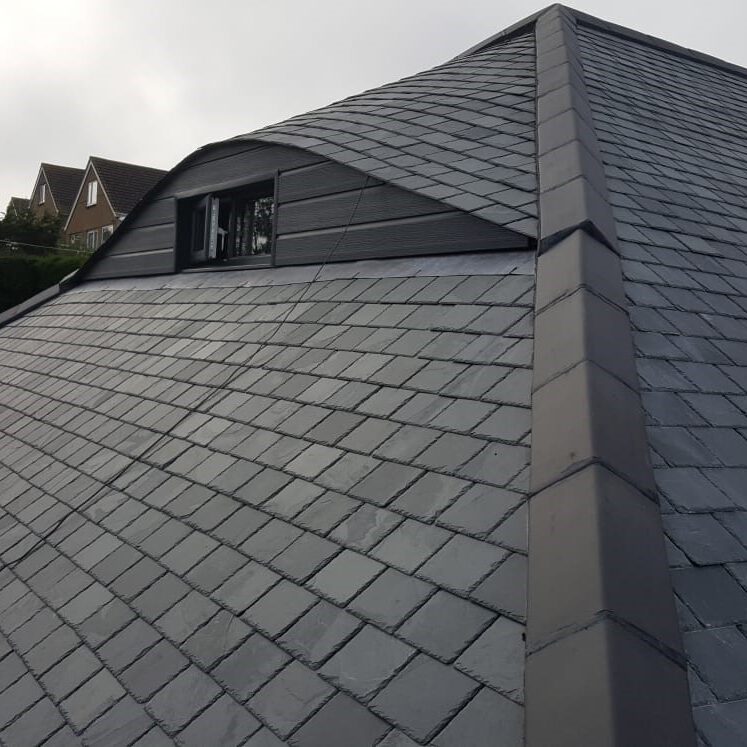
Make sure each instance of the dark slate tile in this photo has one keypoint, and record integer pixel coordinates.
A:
(445, 625)
(712, 594)
(92, 699)
(70, 673)
(280, 607)
(504, 589)
(34, 726)
(251, 665)
(423, 696)
(462, 562)
(52, 649)
(216, 638)
(720, 656)
(124, 648)
(18, 697)
(186, 616)
(367, 661)
(342, 722)
(391, 598)
(153, 669)
(430, 495)
(122, 724)
(290, 697)
(246, 586)
(497, 658)
(688, 490)
(105, 622)
(320, 632)
(703, 539)
(216, 568)
(159, 597)
(410, 544)
(183, 698)
(485, 716)
(723, 724)
(224, 722)
(365, 527)
(346, 575)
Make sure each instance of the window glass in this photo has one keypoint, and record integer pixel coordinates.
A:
(92, 239)
(93, 188)
(106, 232)
(42, 193)
(233, 226)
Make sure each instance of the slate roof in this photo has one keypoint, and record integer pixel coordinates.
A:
(64, 182)
(676, 172)
(125, 183)
(289, 505)
(462, 133)
(275, 505)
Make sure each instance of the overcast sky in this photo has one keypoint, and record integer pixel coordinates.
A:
(148, 81)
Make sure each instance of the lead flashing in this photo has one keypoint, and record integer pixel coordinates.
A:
(604, 657)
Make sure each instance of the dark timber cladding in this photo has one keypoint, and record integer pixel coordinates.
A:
(321, 205)
(604, 659)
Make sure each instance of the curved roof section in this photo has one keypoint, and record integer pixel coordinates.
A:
(462, 133)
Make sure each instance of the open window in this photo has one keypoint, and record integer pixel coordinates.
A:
(230, 227)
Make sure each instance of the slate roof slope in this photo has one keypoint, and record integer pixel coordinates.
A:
(462, 133)
(280, 506)
(64, 182)
(673, 133)
(125, 183)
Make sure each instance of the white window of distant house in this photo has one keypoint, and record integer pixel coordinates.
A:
(92, 238)
(106, 232)
(93, 189)
(42, 193)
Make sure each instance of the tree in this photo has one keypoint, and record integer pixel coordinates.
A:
(24, 229)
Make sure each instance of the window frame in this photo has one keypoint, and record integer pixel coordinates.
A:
(92, 193)
(187, 201)
(42, 193)
(109, 228)
(95, 233)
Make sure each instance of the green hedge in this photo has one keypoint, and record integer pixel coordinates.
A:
(22, 276)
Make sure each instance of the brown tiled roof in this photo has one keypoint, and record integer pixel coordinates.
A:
(63, 182)
(125, 183)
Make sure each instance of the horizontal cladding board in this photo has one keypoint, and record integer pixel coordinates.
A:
(357, 206)
(145, 239)
(130, 265)
(433, 234)
(320, 179)
(247, 166)
(154, 213)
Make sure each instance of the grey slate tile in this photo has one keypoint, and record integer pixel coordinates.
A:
(720, 656)
(152, 670)
(92, 699)
(345, 575)
(410, 544)
(182, 698)
(251, 665)
(321, 631)
(290, 697)
(342, 722)
(495, 658)
(224, 722)
(123, 723)
(34, 726)
(423, 696)
(445, 625)
(391, 597)
(367, 661)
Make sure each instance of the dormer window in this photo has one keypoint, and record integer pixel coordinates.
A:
(230, 227)
(93, 189)
(42, 193)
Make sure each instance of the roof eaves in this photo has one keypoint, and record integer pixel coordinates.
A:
(601, 606)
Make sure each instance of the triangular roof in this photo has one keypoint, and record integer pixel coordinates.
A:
(289, 505)
(63, 182)
(125, 183)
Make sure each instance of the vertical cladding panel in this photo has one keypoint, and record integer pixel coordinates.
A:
(673, 134)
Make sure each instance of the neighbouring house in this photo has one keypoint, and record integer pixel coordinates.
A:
(54, 190)
(106, 192)
(416, 420)
(17, 205)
